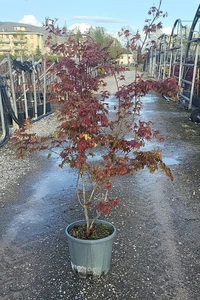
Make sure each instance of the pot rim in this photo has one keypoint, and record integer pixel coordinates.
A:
(101, 240)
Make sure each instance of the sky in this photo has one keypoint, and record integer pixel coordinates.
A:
(110, 14)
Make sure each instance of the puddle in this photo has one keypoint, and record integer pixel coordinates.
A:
(112, 101)
(54, 178)
(149, 98)
(169, 161)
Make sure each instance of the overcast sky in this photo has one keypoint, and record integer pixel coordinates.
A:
(110, 14)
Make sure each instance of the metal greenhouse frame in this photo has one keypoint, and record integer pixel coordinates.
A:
(190, 79)
(176, 50)
(178, 55)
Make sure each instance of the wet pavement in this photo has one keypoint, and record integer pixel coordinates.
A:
(156, 254)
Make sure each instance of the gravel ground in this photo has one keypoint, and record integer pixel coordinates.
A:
(13, 170)
(156, 252)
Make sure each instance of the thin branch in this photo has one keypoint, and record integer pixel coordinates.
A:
(77, 190)
(152, 21)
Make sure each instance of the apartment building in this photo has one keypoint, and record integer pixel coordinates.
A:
(20, 39)
(127, 59)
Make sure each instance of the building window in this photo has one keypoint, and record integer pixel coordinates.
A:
(19, 28)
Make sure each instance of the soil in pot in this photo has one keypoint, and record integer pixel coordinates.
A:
(99, 231)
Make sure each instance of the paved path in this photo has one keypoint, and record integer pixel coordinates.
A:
(156, 254)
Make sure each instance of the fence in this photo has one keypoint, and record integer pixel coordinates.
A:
(25, 87)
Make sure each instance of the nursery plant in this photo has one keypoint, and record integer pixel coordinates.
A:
(99, 143)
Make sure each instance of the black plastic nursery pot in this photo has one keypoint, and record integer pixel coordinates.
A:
(48, 107)
(21, 117)
(31, 112)
(90, 257)
(40, 108)
(9, 119)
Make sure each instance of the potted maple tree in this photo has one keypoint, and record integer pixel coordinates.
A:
(100, 144)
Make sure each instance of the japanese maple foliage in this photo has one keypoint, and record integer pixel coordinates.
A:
(86, 125)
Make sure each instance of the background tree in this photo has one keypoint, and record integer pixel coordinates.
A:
(76, 34)
(38, 53)
(102, 38)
